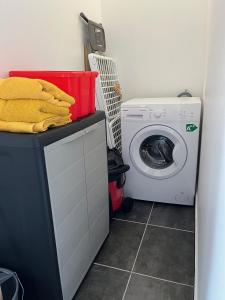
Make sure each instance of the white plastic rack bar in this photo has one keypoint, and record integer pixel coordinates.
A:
(114, 133)
(107, 98)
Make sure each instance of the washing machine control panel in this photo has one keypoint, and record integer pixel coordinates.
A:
(186, 114)
(158, 114)
(155, 114)
(171, 114)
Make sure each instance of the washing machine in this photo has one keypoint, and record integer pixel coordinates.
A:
(160, 138)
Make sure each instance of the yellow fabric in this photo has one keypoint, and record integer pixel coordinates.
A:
(32, 105)
(29, 111)
(58, 103)
(56, 92)
(26, 88)
(24, 127)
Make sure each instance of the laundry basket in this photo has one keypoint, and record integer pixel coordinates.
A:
(10, 285)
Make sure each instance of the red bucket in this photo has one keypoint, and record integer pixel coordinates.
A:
(80, 85)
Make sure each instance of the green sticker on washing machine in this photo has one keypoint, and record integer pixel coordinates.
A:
(191, 127)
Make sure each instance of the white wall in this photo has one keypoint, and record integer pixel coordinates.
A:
(43, 34)
(211, 191)
(158, 44)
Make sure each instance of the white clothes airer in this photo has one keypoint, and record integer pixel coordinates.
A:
(108, 96)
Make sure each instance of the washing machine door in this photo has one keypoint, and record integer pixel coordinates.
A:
(158, 151)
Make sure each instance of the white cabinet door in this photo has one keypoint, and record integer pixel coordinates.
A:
(97, 185)
(67, 187)
(78, 186)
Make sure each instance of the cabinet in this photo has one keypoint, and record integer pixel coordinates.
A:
(67, 195)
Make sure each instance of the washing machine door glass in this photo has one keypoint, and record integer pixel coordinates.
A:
(158, 151)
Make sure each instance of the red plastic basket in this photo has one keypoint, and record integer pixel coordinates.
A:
(80, 85)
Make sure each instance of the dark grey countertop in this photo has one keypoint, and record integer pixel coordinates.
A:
(29, 140)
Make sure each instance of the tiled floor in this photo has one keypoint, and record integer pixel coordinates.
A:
(148, 255)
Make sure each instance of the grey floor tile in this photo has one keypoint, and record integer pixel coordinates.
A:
(120, 248)
(167, 254)
(145, 288)
(175, 216)
(139, 213)
(102, 284)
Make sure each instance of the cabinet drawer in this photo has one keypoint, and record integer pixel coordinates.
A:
(62, 154)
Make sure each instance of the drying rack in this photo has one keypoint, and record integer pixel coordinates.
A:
(108, 98)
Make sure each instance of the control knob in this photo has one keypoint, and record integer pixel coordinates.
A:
(157, 114)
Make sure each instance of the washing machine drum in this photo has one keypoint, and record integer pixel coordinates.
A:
(158, 151)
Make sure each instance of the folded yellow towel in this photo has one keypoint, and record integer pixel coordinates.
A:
(55, 91)
(57, 102)
(32, 105)
(31, 111)
(26, 88)
(23, 127)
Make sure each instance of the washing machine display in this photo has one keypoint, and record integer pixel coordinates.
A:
(161, 148)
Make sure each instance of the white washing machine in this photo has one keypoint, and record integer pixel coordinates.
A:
(160, 143)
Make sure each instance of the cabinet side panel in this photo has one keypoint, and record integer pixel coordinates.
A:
(26, 233)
